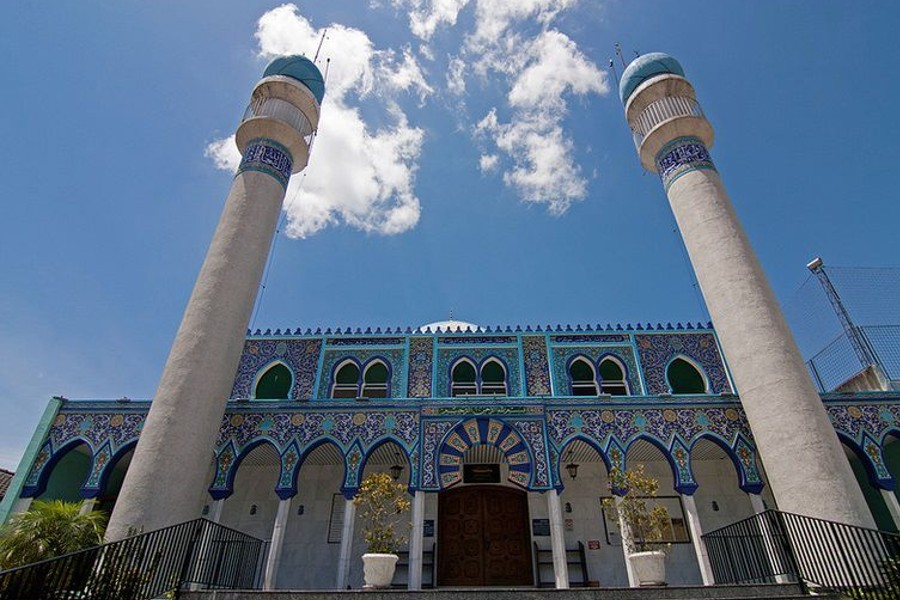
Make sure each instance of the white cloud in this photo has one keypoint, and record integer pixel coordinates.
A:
(488, 162)
(356, 175)
(456, 82)
(425, 16)
(542, 68)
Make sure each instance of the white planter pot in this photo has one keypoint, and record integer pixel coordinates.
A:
(649, 568)
(379, 569)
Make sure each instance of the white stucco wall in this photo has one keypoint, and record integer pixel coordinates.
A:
(310, 562)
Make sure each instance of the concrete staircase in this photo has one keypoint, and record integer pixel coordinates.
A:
(718, 592)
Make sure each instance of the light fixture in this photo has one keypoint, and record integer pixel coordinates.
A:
(396, 469)
(252, 509)
(568, 507)
(572, 468)
(715, 506)
(300, 510)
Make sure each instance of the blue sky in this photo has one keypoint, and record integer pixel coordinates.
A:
(472, 157)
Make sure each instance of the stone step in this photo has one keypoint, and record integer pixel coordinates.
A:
(718, 592)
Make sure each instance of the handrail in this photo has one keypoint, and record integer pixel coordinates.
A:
(199, 552)
(822, 555)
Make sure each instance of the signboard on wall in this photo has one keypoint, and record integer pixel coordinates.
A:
(481, 473)
(428, 528)
(540, 527)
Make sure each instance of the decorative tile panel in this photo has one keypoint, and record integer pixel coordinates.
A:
(681, 156)
(300, 355)
(421, 357)
(657, 350)
(561, 355)
(537, 368)
(393, 356)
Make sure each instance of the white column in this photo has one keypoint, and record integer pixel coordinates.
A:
(87, 505)
(890, 498)
(557, 541)
(215, 511)
(625, 533)
(21, 505)
(416, 541)
(346, 544)
(757, 503)
(693, 519)
(275, 547)
(759, 506)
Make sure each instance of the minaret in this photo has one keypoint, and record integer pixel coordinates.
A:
(802, 455)
(170, 471)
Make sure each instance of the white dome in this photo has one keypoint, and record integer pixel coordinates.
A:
(452, 326)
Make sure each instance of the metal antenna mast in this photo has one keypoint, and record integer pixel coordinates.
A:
(860, 345)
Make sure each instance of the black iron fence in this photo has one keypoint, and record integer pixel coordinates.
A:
(821, 555)
(199, 554)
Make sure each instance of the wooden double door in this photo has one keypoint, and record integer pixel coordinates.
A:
(483, 537)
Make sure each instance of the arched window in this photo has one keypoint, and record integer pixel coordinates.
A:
(493, 378)
(684, 378)
(612, 377)
(375, 380)
(463, 379)
(275, 384)
(346, 381)
(584, 382)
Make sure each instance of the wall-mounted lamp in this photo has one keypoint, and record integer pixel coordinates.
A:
(300, 510)
(205, 510)
(252, 509)
(572, 468)
(396, 469)
(715, 506)
(568, 507)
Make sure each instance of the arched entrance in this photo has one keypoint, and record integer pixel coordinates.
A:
(483, 537)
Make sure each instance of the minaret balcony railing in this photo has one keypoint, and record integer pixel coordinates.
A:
(276, 108)
(658, 111)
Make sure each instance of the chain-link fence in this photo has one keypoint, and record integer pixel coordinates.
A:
(871, 299)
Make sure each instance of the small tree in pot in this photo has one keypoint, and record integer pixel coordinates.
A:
(382, 502)
(647, 527)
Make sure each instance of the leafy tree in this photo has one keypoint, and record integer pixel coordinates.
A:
(382, 502)
(48, 529)
(633, 502)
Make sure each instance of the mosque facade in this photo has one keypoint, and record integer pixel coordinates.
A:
(504, 437)
(494, 420)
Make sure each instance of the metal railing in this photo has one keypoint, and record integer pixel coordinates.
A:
(667, 107)
(200, 554)
(821, 555)
(276, 108)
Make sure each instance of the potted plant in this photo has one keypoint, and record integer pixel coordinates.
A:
(646, 523)
(382, 503)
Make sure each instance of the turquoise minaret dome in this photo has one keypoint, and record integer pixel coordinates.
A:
(643, 68)
(302, 69)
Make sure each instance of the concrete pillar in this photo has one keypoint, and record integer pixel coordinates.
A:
(345, 557)
(20, 505)
(87, 506)
(557, 541)
(215, 511)
(166, 480)
(693, 521)
(273, 560)
(625, 532)
(804, 461)
(759, 506)
(416, 541)
(890, 498)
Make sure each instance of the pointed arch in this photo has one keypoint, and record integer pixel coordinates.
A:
(346, 377)
(563, 456)
(484, 430)
(232, 469)
(582, 376)
(677, 477)
(39, 488)
(463, 377)
(612, 375)
(493, 377)
(685, 376)
(376, 379)
(273, 382)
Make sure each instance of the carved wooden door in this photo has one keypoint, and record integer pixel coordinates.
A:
(483, 537)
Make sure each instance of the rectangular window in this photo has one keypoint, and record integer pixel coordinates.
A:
(336, 520)
(677, 533)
